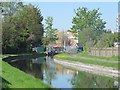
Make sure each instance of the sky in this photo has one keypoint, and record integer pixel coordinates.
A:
(63, 12)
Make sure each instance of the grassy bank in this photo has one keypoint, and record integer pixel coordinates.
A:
(66, 56)
(14, 78)
(84, 54)
(7, 55)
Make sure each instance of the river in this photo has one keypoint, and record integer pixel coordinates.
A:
(59, 76)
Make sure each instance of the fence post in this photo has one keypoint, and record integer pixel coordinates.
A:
(95, 51)
(99, 51)
(112, 51)
(105, 51)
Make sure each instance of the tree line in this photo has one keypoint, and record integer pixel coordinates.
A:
(22, 28)
(89, 29)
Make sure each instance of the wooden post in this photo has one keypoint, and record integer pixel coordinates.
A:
(112, 51)
(105, 51)
(95, 51)
(99, 51)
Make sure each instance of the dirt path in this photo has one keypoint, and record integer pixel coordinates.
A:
(96, 69)
(86, 58)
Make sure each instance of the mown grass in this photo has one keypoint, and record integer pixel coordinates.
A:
(84, 54)
(19, 79)
(67, 57)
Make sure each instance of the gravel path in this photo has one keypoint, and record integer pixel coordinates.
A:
(96, 69)
(101, 60)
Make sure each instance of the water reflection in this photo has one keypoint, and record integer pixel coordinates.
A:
(49, 70)
(83, 80)
(58, 76)
(31, 66)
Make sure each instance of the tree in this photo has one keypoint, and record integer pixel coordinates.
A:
(88, 80)
(50, 32)
(10, 8)
(87, 25)
(8, 11)
(17, 29)
(107, 40)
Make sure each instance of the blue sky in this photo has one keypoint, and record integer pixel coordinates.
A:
(63, 12)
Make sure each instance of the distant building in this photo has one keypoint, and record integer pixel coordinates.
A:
(66, 39)
(72, 39)
(59, 42)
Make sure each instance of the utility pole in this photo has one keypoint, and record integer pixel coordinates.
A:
(117, 23)
(118, 16)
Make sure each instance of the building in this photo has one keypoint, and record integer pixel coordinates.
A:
(66, 38)
(72, 39)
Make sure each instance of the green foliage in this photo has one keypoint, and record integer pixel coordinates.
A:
(87, 26)
(87, 19)
(107, 40)
(10, 8)
(21, 29)
(50, 32)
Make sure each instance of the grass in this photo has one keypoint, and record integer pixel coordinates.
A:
(66, 57)
(19, 79)
(84, 54)
(6, 55)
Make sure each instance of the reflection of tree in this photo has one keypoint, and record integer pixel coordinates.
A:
(37, 67)
(28, 66)
(50, 75)
(37, 71)
(23, 64)
(50, 70)
(85, 80)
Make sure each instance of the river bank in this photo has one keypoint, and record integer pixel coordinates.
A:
(14, 78)
(94, 65)
(95, 69)
(85, 54)
(94, 61)
(54, 74)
